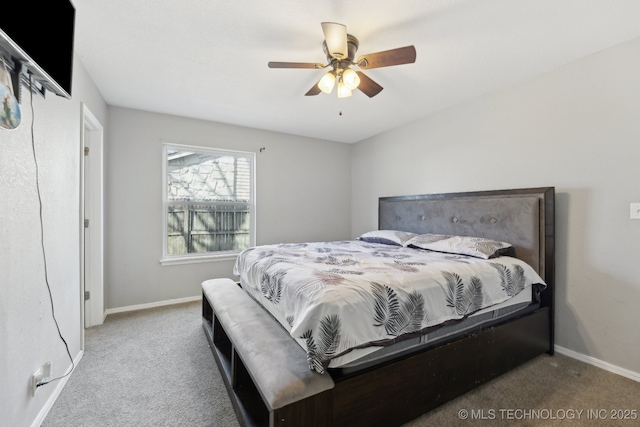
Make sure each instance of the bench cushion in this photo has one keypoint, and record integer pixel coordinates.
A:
(275, 362)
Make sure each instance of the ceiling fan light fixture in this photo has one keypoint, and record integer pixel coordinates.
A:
(350, 78)
(327, 82)
(340, 49)
(335, 36)
(343, 90)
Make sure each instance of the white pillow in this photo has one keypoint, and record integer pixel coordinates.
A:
(462, 245)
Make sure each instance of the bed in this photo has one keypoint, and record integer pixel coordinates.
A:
(269, 358)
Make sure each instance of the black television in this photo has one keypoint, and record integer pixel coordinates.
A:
(36, 37)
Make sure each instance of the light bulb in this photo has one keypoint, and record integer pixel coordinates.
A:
(343, 90)
(327, 82)
(350, 78)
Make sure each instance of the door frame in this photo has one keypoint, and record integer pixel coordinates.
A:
(92, 136)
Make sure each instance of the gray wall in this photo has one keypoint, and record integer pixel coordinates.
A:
(28, 337)
(576, 128)
(302, 194)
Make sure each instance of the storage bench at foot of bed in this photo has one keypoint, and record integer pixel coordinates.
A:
(270, 384)
(266, 372)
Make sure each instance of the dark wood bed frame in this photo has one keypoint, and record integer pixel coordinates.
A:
(398, 391)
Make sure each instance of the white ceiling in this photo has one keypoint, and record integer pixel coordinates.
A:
(207, 59)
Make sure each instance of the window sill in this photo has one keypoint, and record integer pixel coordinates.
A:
(228, 256)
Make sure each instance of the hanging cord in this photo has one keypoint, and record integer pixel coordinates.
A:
(44, 255)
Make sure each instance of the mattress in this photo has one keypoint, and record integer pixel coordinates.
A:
(523, 303)
(344, 300)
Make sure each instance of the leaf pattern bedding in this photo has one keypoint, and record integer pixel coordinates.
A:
(334, 297)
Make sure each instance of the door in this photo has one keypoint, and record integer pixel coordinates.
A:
(87, 236)
(92, 274)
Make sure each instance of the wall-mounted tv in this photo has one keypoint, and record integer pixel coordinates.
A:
(39, 36)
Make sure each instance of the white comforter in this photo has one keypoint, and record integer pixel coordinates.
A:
(334, 297)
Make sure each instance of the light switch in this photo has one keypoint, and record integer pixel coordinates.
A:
(635, 211)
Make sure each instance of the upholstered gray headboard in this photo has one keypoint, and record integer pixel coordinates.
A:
(524, 218)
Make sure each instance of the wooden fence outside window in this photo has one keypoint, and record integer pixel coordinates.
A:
(197, 229)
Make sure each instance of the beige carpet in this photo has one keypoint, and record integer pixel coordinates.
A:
(154, 368)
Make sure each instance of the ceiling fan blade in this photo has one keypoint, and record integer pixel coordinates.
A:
(368, 86)
(387, 58)
(335, 35)
(313, 91)
(294, 65)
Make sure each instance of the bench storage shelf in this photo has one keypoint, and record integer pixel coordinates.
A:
(265, 371)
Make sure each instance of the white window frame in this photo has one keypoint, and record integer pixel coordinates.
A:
(168, 259)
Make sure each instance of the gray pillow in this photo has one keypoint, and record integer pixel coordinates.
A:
(387, 237)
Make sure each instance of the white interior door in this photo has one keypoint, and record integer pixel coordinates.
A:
(87, 236)
(92, 258)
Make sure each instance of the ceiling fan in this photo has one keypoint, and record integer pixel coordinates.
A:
(340, 49)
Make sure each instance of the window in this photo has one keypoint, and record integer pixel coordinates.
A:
(208, 198)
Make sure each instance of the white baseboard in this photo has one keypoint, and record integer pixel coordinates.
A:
(54, 396)
(635, 376)
(151, 305)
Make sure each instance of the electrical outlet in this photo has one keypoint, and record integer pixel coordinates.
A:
(41, 375)
(635, 211)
